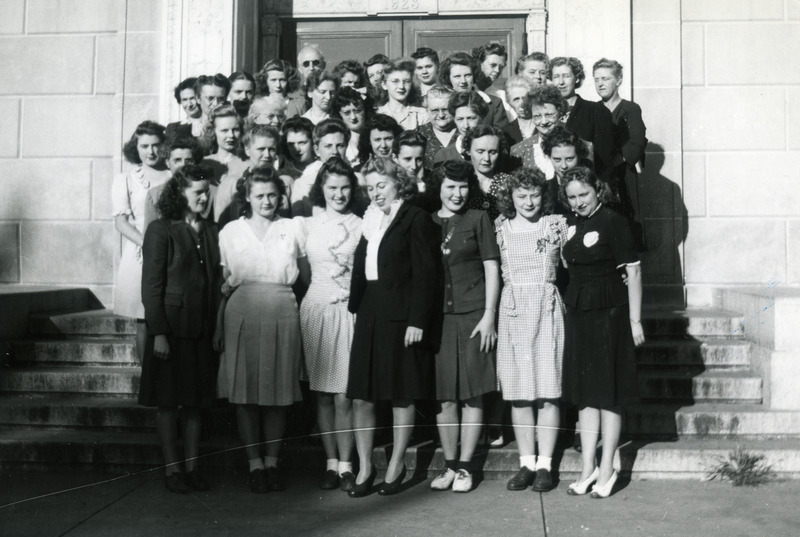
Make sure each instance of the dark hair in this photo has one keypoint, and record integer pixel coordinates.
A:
(209, 134)
(375, 60)
(378, 122)
(523, 178)
(335, 165)
(561, 136)
(183, 142)
(605, 63)
(470, 99)
(351, 66)
(242, 75)
(257, 130)
(347, 96)
(479, 132)
(186, 83)
(532, 57)
(410, 139)
(574, 64)
(219, 80)
(314, 79)
(455, 170)
(330, 126)
(405, 184)
(296, 124)
(259, 174)
(459, 58)
(292, 76)
(548, 94)
(482, 52)
(172, 202)
(588, 177)
(130, 150)
(425, 52)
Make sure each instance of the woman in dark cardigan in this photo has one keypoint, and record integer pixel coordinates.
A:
(181, 283)
(393, 294)
(591, 121)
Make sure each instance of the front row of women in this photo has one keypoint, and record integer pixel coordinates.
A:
(399, 306)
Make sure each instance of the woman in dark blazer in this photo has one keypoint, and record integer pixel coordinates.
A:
(180, 290)
(591, 121)
(393, 294)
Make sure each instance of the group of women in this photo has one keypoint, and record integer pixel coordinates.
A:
(441, 285)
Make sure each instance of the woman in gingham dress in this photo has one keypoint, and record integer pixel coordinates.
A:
(327, 326)
(531, 320)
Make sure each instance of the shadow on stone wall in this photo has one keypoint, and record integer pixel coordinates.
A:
(666, 228)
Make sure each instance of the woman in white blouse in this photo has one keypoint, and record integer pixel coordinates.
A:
(260, 367)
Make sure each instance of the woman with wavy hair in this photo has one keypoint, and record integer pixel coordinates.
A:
(262, 256)
(459, 71)
(530, 343)
(181, 291)
(393, 294)
(327, 326)
(128, 197)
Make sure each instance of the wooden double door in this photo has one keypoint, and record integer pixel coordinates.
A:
(359, 39)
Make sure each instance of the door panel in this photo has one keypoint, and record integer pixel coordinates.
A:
(448, 35)
(357, 39)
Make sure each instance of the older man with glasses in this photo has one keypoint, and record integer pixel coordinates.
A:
(309, 60)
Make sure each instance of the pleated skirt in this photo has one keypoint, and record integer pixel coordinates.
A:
(381, 366)
(262, 359)
(463, 371)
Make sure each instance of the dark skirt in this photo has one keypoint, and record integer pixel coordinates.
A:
(599, 363)
(187, 378)
(381, 366)
(463, 371)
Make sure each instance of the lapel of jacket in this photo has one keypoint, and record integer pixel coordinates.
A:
(400, 213)
(182, 236)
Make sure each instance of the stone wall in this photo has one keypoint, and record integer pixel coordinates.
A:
(78, 76)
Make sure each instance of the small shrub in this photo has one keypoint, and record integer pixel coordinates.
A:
(742, 468)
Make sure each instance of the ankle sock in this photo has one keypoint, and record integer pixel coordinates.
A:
(344, 467)
(528, 461)
(332, 464)
(451, 464)
(544, 463)
(464, 465)
(255, 464)
(271, 462)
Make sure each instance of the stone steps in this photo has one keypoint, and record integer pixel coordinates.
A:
(85, 323)
(108, 380)
(103, 451)
(709, 352)
(711, 419)
(96, 351)
(700, 386)
(700, 322)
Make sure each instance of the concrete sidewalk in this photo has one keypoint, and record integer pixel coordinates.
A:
(140, 505)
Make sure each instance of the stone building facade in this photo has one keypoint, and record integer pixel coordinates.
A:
(719, 90)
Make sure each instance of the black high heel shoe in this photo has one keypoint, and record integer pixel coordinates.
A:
(363, 489)
(387, 489)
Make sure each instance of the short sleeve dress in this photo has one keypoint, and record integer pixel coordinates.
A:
(530, 328)
(463, 371)
(128, 194)
(327, 326)
(261, 363)
(599, 368)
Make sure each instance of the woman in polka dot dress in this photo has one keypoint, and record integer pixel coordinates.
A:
(327, 326)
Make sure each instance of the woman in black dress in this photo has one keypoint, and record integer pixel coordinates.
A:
(393, 296)
(181, 282)
(603, 323)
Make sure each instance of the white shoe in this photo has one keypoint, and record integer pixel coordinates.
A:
(444, 480)
(463, 481)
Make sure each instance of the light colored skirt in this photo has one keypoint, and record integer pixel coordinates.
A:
(327, 335)
(262, 358)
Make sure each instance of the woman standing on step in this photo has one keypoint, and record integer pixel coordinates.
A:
(128, 195)
(262, 255)
(393, 296)
(465, 363)
(603, 323)
(180, 289)
(531, 321)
